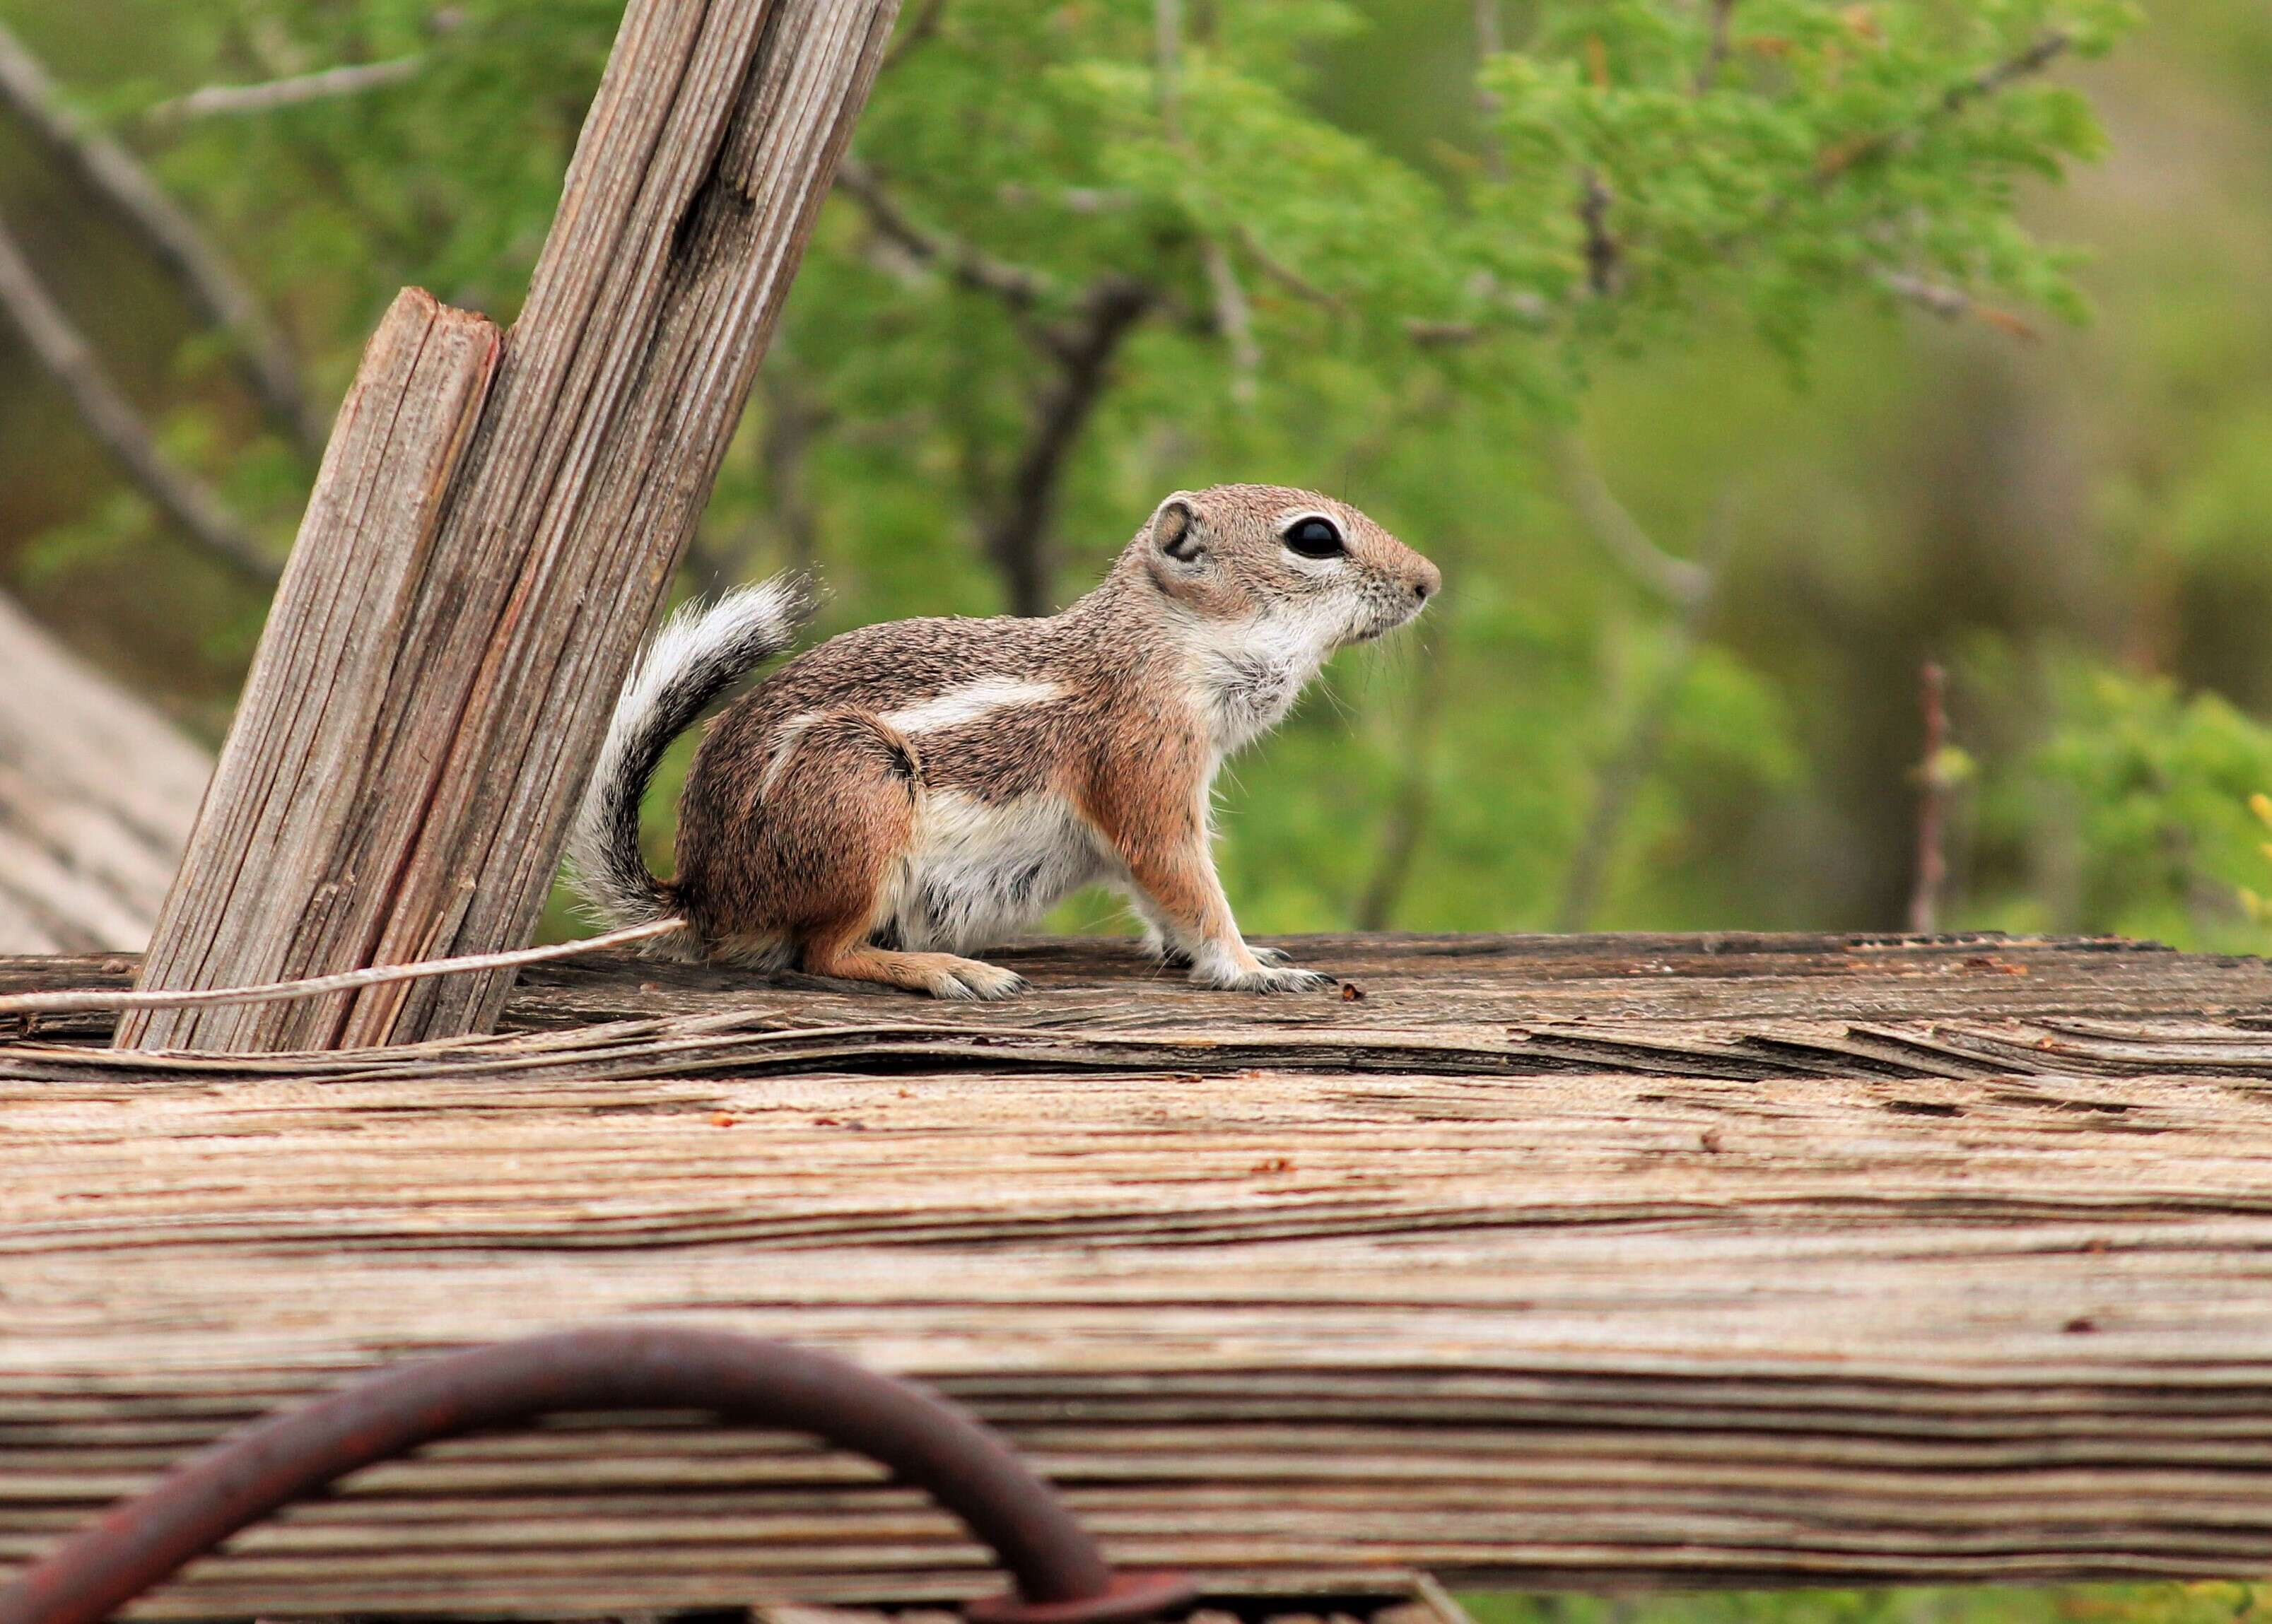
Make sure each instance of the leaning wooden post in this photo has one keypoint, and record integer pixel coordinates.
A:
(469, 590)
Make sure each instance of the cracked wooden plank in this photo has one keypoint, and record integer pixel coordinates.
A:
(1291, 1292)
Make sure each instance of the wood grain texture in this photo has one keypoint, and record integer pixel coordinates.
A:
(97, 794)
(258, 894)
(1597, 1261)
(704, 160)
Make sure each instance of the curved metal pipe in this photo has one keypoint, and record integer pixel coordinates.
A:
(1061, 1576)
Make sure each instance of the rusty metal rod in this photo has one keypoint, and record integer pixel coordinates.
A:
(1062, 1577)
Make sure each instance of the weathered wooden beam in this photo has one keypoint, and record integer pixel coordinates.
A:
(440, 821)
(286, 796)
(1674, 1261)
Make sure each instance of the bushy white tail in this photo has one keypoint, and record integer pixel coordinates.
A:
(700, 652)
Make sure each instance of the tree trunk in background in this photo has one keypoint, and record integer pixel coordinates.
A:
(97, 794)
(433, 828)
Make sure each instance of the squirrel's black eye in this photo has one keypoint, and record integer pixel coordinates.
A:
(1316, 538)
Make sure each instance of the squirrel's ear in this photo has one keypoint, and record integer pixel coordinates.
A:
(1176, 531)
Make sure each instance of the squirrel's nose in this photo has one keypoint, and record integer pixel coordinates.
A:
(1427, 582)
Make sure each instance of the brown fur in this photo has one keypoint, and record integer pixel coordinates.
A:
(803, 815)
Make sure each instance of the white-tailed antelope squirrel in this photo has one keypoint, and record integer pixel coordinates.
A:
(907, 793)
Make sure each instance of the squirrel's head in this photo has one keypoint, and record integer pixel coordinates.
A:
(1296, 562)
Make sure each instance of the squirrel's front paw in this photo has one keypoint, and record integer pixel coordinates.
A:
(1160, 950)
(1262, 979)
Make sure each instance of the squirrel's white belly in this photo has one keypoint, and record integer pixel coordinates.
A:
(980, 871)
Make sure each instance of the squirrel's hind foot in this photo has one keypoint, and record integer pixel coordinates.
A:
(941, 975)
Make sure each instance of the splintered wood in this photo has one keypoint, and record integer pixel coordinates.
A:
(269, 882)
(482, 560)
(1594, 1262)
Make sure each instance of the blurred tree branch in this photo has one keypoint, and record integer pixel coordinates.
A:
(2047, 49)
(213, 285)
(1018, 288)
(1602, 251)
(1953, 303)
(68, 359)
(1629, 767)
(1234, 320)
(1405, 824)
(1491, 41)
(328, 84)
(1234, 316)
(1278, 272)
(919, 28)
(1935, 783)
(1080, 348)
(2034, 58)
(1841, 161)
(1018, 539)
(1679, 581)
(1723, 39)
(794, 419)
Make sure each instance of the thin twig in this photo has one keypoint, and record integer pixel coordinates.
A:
(1933, 783)
(1680, 581)
(1278, 272)
(2034, 59)
(330, 84)
(1953, 303)
(1952, 103)
(111, 418)
(1510, 311)
(1839, 160)
(1430, 335)
(1168, 58)
(94, 1000)
(213, 284)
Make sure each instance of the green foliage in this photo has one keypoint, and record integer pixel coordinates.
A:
(1401, 321)
(1815, 149)
(2164, 799)
(1782, 153)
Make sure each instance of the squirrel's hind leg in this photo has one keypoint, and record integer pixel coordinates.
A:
(828, 854)
(942, 975)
